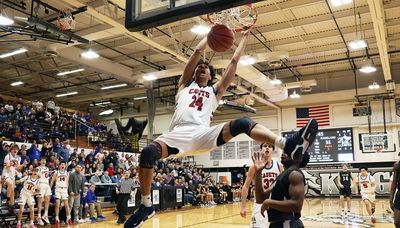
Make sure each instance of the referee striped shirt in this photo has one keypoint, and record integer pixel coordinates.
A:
(126, 185)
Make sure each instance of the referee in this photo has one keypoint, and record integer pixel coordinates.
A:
(123, 190)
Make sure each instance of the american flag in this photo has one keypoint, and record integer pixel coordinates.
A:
(320, 113)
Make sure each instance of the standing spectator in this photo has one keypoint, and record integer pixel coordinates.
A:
(98, 149)
(57, 146)
(34, 152)
(64, 152)
(46, 149)
(124, 193)
(93, 204)
(90, 157)
(75, 187)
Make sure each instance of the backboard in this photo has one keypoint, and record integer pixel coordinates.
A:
(144, 14)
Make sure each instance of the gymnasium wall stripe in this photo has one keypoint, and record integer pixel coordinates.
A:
(320, 113)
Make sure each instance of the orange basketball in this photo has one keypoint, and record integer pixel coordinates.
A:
(220, 38)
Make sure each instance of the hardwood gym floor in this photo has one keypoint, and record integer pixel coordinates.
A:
(317, 213)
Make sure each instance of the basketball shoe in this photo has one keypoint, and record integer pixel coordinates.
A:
(298, 143)
(139, 216)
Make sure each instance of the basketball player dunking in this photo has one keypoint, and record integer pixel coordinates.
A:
(284, 198)
(271, 170)
(395, 197)
(190, 131)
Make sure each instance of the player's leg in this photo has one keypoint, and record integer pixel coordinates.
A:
(46, 207)
(367, 204)
(10, 192)
(397, 218)
(341, 202)
(32, 212)
(21, 210)
(297, 144)
(67, 210)
(57, 208)
(40, 200)
(149, 155)
(348, 198)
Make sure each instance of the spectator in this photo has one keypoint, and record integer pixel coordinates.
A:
(116, 178)
(90, 158)
(83, 208)
(95, 179)
(75, 187)
(106, 179)
(64, 151)
(94, 204)
(34, 152)
(110, 169)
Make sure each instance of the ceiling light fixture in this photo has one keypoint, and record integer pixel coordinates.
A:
(15, 52)
(357, 44)
(368, 68)
(374, 85)
(67, 94)
(114, 86)
(4, 20)
(90, 54)
(149, 77)
(247, 60)
(294, 95)
(106, 112)
(337, 3)
(200, 29)
(276, 81)
(103, 103)
(17, 83)
(70, 72)
(139, 98)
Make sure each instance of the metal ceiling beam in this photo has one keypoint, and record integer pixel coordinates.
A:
(378, 19)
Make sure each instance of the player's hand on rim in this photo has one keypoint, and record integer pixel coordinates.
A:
(258, 160)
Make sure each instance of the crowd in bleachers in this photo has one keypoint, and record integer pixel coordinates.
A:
(24, 121)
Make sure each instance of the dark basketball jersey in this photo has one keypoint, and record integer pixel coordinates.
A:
(345, 178)
(281, 192)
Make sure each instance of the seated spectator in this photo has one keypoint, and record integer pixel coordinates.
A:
(110, 169)
(83, 208)
(93, 204)
(116, 178)
(95, 179)
(106, 179)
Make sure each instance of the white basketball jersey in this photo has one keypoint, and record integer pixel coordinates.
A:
(194, 105)
(9, 173)
(15, 161)
(29, 185)
(365, 184)
(269, 174)
(44, 174)
(62, 179)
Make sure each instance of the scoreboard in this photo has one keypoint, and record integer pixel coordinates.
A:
(331, 145)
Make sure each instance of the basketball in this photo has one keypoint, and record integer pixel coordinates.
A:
(220, 38)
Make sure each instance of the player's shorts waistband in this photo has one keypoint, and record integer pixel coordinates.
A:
(61, 187)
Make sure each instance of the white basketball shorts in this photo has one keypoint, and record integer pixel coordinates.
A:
(26, 198)
(192, 139)
(257, 220)
(61, 193)
(44, 190)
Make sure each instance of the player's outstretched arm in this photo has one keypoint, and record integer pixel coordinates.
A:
(187, 74)
(259, 164)
(222, 85)
(245, 190)
(393, 185)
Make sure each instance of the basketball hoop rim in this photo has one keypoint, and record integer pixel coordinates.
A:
(251, 6)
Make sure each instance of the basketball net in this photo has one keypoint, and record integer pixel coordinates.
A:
(238, 19)
(66, 20)
(378, 151)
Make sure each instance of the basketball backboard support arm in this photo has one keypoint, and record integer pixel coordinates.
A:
(135, 20)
